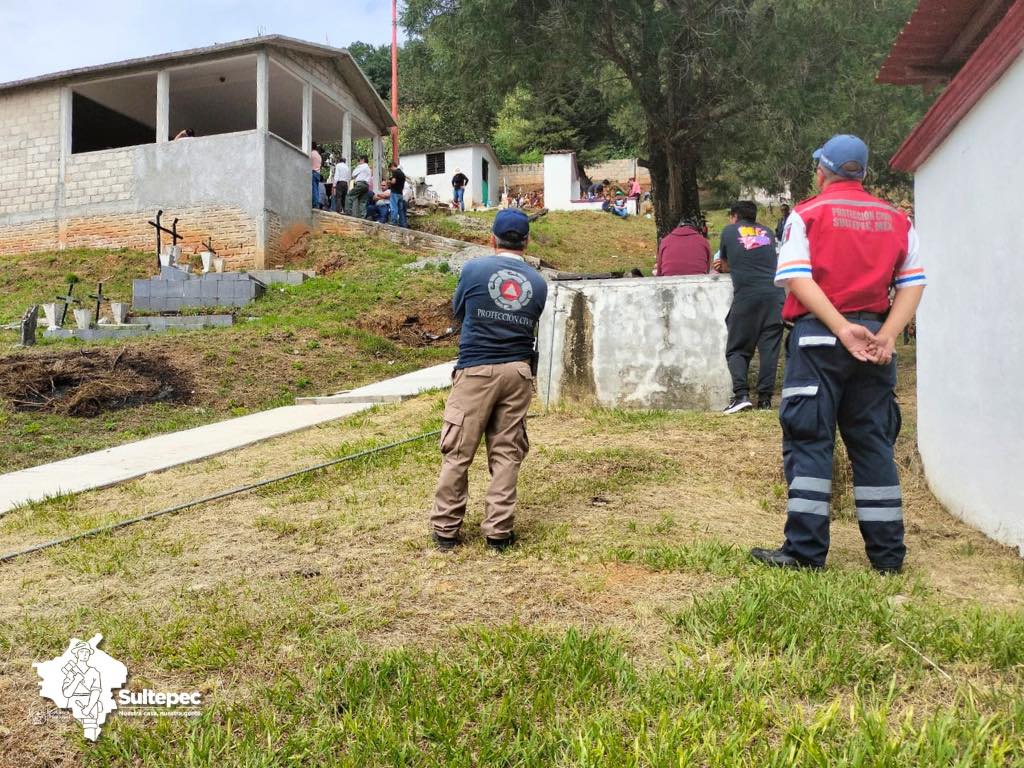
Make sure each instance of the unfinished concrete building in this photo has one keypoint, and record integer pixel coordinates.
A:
(87, 156)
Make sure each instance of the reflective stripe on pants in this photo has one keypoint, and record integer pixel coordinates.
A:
(825, 387)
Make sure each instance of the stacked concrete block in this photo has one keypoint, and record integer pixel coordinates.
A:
(184, 322)
(140, 326)
(281, 276)
(174, 290)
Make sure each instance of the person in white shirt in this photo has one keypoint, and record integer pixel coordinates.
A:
(340, 178)
(360, 190)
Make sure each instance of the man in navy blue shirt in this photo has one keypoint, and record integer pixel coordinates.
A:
(499, 300)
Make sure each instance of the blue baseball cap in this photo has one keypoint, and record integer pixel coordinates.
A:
(511, 220)
(841, 149)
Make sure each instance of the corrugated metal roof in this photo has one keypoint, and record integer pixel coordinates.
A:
(939, 38)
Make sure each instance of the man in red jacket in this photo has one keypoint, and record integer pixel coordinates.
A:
(684, 251)
(841, 253)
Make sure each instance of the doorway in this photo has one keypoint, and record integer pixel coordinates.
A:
(485, 187)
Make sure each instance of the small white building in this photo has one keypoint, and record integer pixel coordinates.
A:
(437, 167)
(967, 169)
(562, 185)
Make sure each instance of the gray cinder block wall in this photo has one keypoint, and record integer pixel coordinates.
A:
(173, 290)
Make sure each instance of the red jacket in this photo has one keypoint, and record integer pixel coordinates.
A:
(855, 246)
(684, 251)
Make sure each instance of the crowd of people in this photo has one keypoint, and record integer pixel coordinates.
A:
(354, 191)
(614, 198)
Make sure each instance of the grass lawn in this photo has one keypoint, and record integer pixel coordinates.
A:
(583, 241)
(628, 628)
(571, 242)
(319, 337)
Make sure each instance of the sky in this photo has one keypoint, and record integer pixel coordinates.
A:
(37, 40)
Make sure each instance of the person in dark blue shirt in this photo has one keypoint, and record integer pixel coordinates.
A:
(499, 300)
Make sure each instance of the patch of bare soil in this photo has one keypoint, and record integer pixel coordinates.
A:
(295, 242)
(417, 325)
(91, 382)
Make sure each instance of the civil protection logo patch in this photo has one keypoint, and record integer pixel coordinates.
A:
(510, 290)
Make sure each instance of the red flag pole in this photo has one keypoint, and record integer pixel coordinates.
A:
(394, 78)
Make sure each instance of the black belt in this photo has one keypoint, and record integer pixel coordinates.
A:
(876, 316)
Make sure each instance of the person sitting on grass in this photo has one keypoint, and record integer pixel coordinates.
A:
(619, 206)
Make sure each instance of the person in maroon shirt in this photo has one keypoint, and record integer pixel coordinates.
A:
(684, 251)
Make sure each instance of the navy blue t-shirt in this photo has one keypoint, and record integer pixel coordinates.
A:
(499, 300)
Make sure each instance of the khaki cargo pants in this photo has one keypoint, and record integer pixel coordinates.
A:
(487, 401)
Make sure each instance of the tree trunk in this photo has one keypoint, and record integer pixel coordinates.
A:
(674, 187)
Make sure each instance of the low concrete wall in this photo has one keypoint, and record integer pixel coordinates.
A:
(326, 222)
(636, 343)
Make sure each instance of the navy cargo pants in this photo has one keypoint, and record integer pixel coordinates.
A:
(825, 385)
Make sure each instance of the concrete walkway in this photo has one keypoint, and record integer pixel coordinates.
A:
(126, 462)
(391, 390)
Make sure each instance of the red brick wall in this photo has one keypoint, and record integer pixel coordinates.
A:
(233, 232)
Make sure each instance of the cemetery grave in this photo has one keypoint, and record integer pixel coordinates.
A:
(418, 324)
(298, 340)
(80, 383)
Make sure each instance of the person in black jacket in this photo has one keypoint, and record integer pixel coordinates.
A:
(459, 182)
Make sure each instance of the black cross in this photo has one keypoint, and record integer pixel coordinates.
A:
(66, 300)
(99, 298)
(173, 232)
(209, 245)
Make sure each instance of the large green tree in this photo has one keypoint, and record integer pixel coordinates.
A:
(375, 61)
(758, 83)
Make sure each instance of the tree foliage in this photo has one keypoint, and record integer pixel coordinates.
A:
(375, 61)
(746, 87)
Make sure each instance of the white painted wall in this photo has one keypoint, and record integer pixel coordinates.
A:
(636, 342)
(469, 160)
(561, 184)
(970, 349)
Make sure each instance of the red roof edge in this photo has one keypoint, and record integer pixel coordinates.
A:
(993, 57)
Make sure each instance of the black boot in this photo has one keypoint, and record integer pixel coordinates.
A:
(446, 543)
(780, 559)
(500, 545)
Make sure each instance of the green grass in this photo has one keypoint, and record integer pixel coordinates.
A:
(39, 277)
(584, 241)
(346, 650)
(512, 695)
(571, 242)
(297, 340)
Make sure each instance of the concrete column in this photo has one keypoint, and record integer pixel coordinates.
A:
(262, 92)
(163, 105)
(378, 158)
(346, 137)
(63, 153)
(307, 118)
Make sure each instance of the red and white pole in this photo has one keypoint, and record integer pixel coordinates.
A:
(394, 78)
